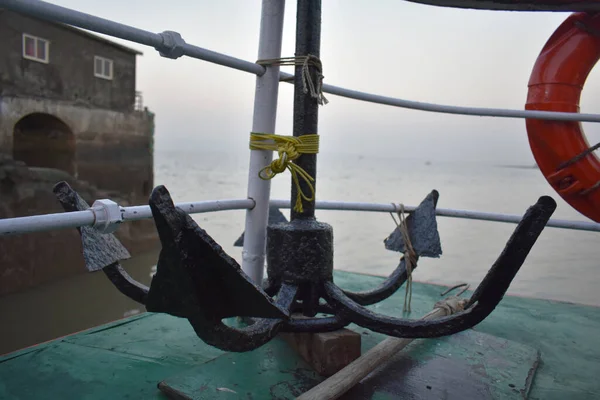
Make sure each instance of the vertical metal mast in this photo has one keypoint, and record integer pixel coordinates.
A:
(265, 114)
(301, 251)
(306, 108)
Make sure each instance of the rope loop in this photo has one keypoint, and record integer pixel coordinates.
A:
(289, 149)
(308, 84)
(410, 255)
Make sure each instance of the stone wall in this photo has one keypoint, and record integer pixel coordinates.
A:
(113, 159)
(113, 150)
(31, 259)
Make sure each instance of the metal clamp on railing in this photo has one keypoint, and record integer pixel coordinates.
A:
(108, 216)
(172, 45)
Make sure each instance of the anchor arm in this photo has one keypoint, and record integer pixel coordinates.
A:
(387, 288)
(485, 298)
(398, 327)
(324, 324)
(494, 285)
(126, 284)
(215, 333)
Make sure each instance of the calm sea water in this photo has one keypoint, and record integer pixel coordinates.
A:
(563, 265)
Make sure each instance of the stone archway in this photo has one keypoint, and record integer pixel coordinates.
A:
(42, 140)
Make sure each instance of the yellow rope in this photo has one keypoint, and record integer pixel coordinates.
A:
(289, 149)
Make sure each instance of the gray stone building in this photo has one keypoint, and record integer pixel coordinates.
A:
(68, 108)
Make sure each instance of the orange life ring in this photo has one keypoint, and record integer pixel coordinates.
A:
(559, 147)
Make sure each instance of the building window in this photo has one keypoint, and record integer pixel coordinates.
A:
(35, 48)
(103, 67)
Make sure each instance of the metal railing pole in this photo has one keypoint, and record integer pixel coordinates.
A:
(265, 115)
(76, 219)
(306, 108)
(52, 12)
(48, 222)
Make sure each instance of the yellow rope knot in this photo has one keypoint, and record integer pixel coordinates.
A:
(289, 149)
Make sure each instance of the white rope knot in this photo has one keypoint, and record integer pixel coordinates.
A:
(308, 85)
(451, 305)
(316, 90)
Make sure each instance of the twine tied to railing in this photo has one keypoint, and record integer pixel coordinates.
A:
(410, 256)
(315, 88)
(289, 149)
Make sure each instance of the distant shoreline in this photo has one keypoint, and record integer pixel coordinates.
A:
(534, 166)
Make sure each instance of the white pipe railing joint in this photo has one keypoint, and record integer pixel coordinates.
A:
(172, 45)
(108, 216)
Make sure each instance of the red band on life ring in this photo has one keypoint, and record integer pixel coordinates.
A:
(555, 84)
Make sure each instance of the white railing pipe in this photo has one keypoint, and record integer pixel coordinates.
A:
(46, 222)
(443, 212)
(75, 219)
(52, 12)
(159, 41)
(143, 212)
(39, 223)
(264, 120)
(446, 109)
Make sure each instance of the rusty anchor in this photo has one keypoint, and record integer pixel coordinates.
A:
(197, 280)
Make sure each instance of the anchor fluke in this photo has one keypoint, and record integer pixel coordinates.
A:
(101, 251)
(425, 239)
(422, 230)
(195, 276)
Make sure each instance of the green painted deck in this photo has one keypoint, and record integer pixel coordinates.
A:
(128, 358)
(468, 365)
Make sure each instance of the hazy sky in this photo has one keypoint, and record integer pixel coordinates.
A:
(388, 47)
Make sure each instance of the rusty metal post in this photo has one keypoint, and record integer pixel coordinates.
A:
(306, 108)
(302, 250)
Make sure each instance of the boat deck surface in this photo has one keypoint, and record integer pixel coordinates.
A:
(126, 359)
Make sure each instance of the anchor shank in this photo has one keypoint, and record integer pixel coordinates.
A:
(306, 112)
